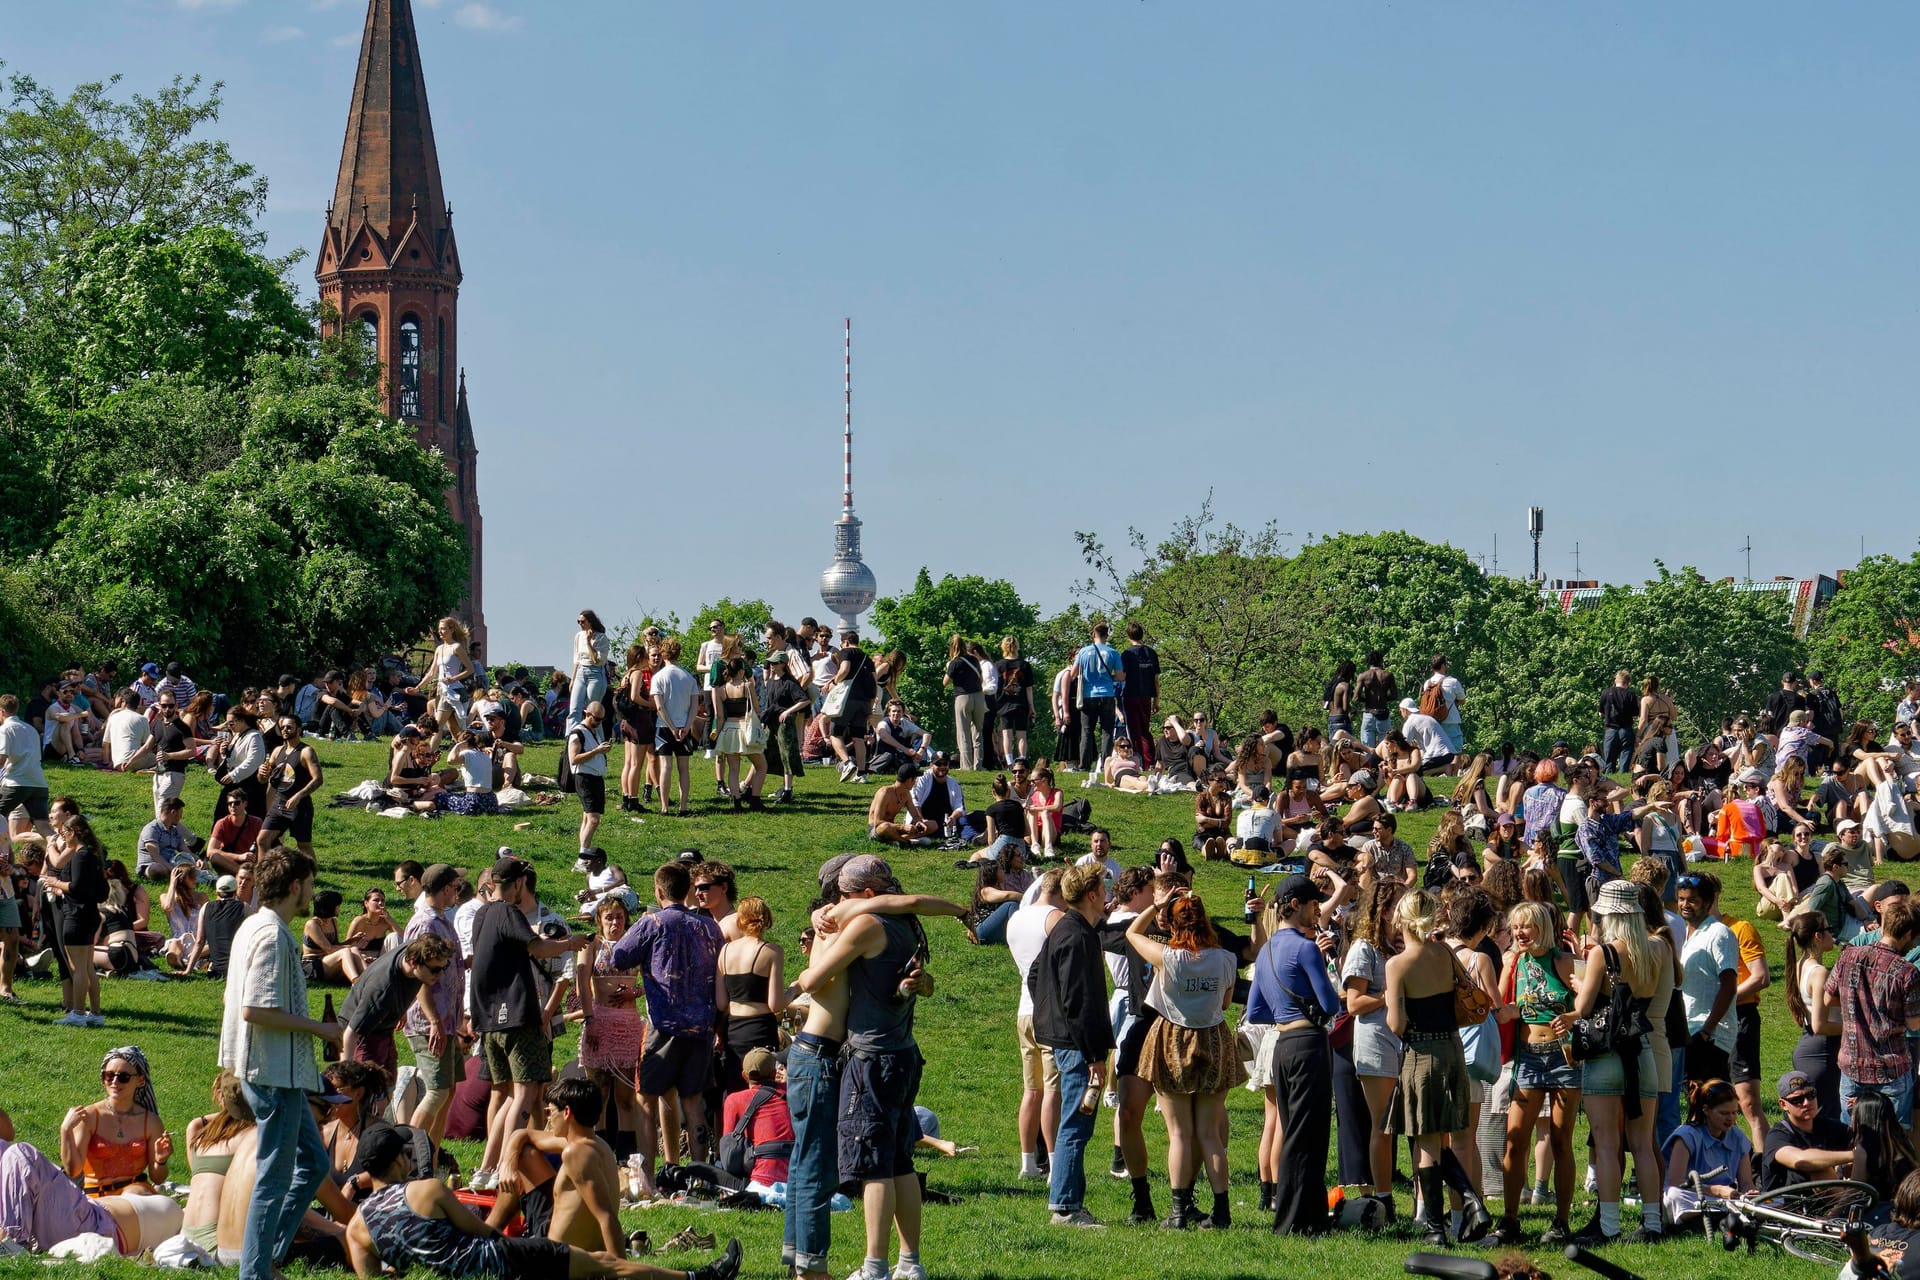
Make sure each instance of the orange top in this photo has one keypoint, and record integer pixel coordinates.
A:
(109, 1166)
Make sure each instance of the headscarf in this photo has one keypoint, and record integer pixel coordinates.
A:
(143, 1095)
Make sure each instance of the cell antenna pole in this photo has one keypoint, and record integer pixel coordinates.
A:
(846, 492)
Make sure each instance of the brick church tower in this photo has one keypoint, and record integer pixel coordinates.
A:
(389, 266)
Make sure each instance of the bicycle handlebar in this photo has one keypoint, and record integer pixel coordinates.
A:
(1599, 1265)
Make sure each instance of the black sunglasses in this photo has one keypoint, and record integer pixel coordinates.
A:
(118, 1077)
(702, 888)
(1689, 881)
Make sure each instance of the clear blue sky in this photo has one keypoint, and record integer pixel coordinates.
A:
(1347, 266)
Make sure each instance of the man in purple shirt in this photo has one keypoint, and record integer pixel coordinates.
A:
(677, 952)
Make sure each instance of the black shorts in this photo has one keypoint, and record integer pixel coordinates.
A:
(534, 1258)
(32, 799)
(297, 822)
(670, 1064)
(592, 790)
(1573, 871)
(80, 923)
(1015, 716)
(853, 720)
(1743, 1063)
(1126, 1055)
(536, 1206)
(1706, 1061)
(665, 744)
(1438, 764)
(878, 1126)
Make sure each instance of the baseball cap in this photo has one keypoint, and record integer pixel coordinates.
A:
(1299, 888)
(508, 867)
(758, 1064)
(150, 669)
(1506, 820)
(226, 886)
(381, 1146)
(942, 758)
(331, 1096)
(437, 877)
(593, 854)
(830, 870)
(1362, 778)
(1792, 1082)
(174, 668)
(1845, 824)
(287, 679)
(865, 871)
(1409, 706)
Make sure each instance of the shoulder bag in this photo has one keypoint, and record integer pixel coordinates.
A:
(835, 703)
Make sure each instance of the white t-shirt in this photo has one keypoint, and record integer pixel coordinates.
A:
(1425, 733)
(1120, 964)
(1256, 824)
(264, 973)
(1188, 985)
(1109, 869)
(1708, 952)
(127, 731)
(709, 658)
(476, 769)
(1573, 812)
(673, 694)
(1026, 935)
(989, 677)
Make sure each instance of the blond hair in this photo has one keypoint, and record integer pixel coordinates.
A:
(1077, 882)
(1417, 914)
(1536, 916)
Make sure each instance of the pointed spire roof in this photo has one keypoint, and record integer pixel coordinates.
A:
(389, 170)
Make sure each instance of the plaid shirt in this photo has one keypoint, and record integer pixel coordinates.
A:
(1878, 993)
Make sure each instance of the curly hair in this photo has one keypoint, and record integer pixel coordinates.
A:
(1373, 920)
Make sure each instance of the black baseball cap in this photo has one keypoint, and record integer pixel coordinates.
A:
(1299, 888)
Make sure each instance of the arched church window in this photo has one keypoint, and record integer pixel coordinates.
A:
(370, 333)
(410, 367)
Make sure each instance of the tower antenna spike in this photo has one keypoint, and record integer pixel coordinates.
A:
(847, 586)
(846, 494)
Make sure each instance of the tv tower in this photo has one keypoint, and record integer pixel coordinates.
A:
(847, 586)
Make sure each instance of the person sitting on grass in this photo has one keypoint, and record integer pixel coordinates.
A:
(408, 1221)
(234, 835)
(211, 1140)
(578, 1202)
(884, 822)
(40, 1207)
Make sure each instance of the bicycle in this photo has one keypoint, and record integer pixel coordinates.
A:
(1447, 1266)
(1810, 1220)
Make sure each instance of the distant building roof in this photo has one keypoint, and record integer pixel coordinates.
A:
(1807, 596)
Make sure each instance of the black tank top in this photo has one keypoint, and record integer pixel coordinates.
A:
(292, 776)
(224, 917)
(748, 987)
(1430, 1015)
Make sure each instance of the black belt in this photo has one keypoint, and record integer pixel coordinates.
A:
(820, 1044)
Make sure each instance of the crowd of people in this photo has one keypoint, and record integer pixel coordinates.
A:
(1560, 951)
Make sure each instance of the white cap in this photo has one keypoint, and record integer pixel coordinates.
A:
(1408, 706)
(1845, 824)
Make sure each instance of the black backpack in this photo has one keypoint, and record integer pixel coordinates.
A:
(563, 775)
(1076, 816)
(737, 1152)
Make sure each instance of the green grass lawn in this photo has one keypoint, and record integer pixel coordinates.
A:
(966, 1028)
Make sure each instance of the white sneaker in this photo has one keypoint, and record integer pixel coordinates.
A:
(1078, 1218)
(846, 770)
(1591, 1184)
(73, 1018)
(483, 1180)
(909, 1271)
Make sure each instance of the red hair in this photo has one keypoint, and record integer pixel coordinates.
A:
(1546, 771)
(1188, 925)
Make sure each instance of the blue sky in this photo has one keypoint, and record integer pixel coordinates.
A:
(1347, 267)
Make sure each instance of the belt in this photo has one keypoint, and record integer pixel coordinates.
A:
(822, 1046)
(1298, 1024)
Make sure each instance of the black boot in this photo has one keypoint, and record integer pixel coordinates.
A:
(1433, 1209)
(1184, 1214)
(1222, 1216)
(1143, 1214)
(1475, 1221)
(1267, 1192)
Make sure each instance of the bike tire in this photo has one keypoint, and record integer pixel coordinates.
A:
(1830, 1198)
(1816, 1246)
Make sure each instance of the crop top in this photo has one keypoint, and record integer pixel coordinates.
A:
(1431, 1015)
(109, 1166)
(1538, 990)
(748, 987)
(198, 1163)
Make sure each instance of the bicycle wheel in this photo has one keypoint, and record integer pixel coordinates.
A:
(1816, 1246)
(1833, 1198)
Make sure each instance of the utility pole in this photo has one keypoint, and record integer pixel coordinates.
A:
(1749, 550)
(1576, 559)
(1496, 553)
(1536, 525)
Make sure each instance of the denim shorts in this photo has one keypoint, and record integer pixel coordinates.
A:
(1542, 1066)
(1605, 1077)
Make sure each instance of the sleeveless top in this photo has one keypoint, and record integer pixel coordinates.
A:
(224, 918)
(1431, 1015)
(1537, 988)
(449, 662)
(108, 1166)
(291, 775)
(748, 987)
(878, 1019)
(198, 1164)
(403, 1237)
(734, 707)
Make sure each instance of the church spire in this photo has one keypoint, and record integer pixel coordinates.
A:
(389, 170)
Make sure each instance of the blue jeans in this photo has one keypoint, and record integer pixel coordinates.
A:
(1067, 1191)
(1373, 728)
(1616, 748)
(590, 687)
(813, 1101)
(291, 1161)
(992, 931)
(1899, 1093)
(1666, 1115)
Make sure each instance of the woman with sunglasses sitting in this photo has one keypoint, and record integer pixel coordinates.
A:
(118, 1144)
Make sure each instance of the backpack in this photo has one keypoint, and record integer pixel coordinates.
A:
(1433, 700)
(563, 775)
(1076, 816)
(737, 1151)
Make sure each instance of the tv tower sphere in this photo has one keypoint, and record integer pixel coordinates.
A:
(847, 586)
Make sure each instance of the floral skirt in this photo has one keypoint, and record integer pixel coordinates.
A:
(1177, 1059)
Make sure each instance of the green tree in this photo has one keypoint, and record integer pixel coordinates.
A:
(1718, 650)
(90, 162)
(919, 622)
(37, 635)
(1214, 602)
(1867, 640)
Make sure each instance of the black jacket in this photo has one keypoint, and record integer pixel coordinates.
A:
(1069, 985)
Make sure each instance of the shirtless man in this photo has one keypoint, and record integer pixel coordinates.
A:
(883, 814)
(813, 1076)
(230, 1229)
(577, 1204)
(417, 1220)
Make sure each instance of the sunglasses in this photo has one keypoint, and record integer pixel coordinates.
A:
(702, 888)
(118, 1077)
(1689, 881)
(1801, 1099)
(436, 969)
